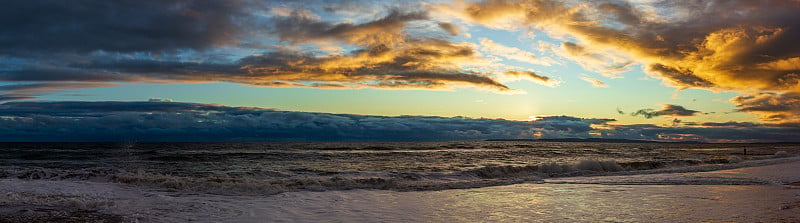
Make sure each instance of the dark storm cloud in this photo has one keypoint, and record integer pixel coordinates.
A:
(623, 12)
(301, 28)
(84, 26)
(163, 120)
(667, 110)
(423, 65)
(190, 121)
(174, 41)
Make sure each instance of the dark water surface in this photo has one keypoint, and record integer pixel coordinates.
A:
(268, 168)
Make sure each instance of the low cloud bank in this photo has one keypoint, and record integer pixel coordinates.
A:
(164, 120)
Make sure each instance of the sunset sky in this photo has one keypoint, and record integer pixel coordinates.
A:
(241, 70)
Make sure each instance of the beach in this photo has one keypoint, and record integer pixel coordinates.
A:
(752, 191)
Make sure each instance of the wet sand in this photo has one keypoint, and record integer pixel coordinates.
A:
(757, 194)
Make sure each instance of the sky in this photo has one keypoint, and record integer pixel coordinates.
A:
(349, 70)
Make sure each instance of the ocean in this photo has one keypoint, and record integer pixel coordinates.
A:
(178, 182)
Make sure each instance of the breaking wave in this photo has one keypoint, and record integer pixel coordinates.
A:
(399, 181)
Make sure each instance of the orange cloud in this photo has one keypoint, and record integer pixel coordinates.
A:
(739, 45)
(532, 76)
(387, 57)
(771, 106)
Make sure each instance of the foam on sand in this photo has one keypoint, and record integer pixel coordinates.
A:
(560, 199)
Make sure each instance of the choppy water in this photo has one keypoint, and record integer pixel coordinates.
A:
(254, 182)
(271, 168)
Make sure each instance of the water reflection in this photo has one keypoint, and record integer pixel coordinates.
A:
(558, 203)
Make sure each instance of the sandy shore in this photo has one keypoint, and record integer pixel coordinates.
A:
(753, 194)
(718, 196)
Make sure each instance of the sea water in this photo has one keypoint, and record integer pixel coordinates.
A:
(175, 182)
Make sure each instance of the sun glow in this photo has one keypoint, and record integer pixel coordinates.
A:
(534, 118)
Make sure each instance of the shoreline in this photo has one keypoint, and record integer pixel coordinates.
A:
(718, 195)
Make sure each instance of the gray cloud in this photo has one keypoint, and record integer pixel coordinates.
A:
(84, 26)
(161, 120)
(424, 64)
(11, 97)
(32, 90)
(149, 50)
(189, 121)
(684, 79)
(772, 106)
(299, 28)
(708, 132)
(449, 28)
(667, 110)
(65, 73)
(44, 87)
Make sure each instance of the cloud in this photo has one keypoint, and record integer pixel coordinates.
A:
(32, 90)
(46, 87)
(84, 26)
(686, 43)
(666, 110)
(532, 76)
(707, 132)
(4, 97)
(159, 100)
(512, 53)
(718, 45)
(680, 78)
(383, 52)
(565, 126)
(603, 62)
(387, 31)
(771, 106)
(162, 120)
(421, 64)
(450, 28)
(594, 81)
(171, 121)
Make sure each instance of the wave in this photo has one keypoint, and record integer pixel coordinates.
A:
(250, 186)
(399, 181)
(58, 174)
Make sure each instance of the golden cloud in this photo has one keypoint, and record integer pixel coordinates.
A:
(687, 44)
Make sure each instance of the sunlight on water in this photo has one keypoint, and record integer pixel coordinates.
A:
(438, 182)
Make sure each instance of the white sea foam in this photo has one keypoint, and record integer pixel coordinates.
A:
(399, 181)
(520, 202)
(734, 159)
(275, 168)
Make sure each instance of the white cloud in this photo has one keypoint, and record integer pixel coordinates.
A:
(594, 81)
